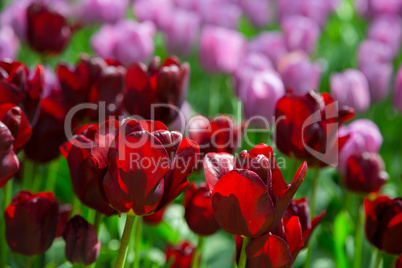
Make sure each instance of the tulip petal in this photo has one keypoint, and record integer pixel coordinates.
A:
(242, 205)
(293, 233)
(104, 138)
(216, 165)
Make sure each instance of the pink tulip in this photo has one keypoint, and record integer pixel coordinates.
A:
(301, 33)
(271, 44)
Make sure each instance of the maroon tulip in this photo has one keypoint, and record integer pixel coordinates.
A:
(164, 84)
(91, 80)
(14, 133)
(64, 216)
(148, 167)
(365, 173)
(82, 244)
(218, 135)
(21, 87)
(154, 219)
(307, 127)
(48, 31)
(181, 255)
(31, 222)
(398, 263)
(249, 195)
(300, 208)
(198, 210)
(86, 170)
(384, 223)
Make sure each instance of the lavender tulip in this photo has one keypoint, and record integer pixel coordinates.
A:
(259, 96)
(388, 30)
(14, 15)
(301, 33)
(398, 91)
(351, 88)
(316, 10)
(9, 43)
(364, 136)
(219, 13)
(379, 77)
(221, 49)
(271, 44)
(127, 41)
(180, 29)
(373, 8)
(108, 11)
(299, 73)
(152, 10)
(372, 51)
(259, 12)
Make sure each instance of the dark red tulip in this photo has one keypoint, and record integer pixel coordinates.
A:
(154, 219)
(31, 222)
(82, 244)
(278, 248)
(365, 173)
(48, 31)
(148, 167)
(14, 134)
(300, 209)
(64, 216)
(180, 256)
(20, 86)
(384, 223)
(198, 210)
(91, 80)
(86, 168)
(307, 127)
(218, 135)
(164, 84)
(398, 263)
(249, 195)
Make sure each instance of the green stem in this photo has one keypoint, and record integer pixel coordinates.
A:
(7, 191)
(98, 221)
(76, 205)
(137, 242)
(358, 238)
(121, 257)
(243, 255)
(53, 168)
(28, 176)
(197, 253)
(378, 259)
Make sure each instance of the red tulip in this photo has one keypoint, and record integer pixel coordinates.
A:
(82, 244)
(154, 219)
(164, 84)
(365, 173)
(21, 87)
(86, 168)
(14, 133)
(91, 80)
(249, 196)
(180, 256)
(300, 208)
(198, 210)
(64, 216)
(307, 126)
(398, 263)
(219, 135)
(384, 223)
(48, 31)
(31, 222)
(148, 167)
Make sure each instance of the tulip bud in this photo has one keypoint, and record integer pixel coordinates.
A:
(398, 91)
(31, 222)
(82, 244)
(271, 44)
(351, 88)
(299, 73)
(384, 223)
(117, 41)
(198, 210)
(221, 49)
(48, 30)
(109, 11)
(364, 136)
(181, 255)
(301, 33)
(365, 173)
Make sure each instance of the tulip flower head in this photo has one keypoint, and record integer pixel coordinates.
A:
(249, 196)
(31, 222)
(180, 255)
(154, 219)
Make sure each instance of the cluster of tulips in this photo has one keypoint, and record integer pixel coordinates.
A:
(123, 126)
